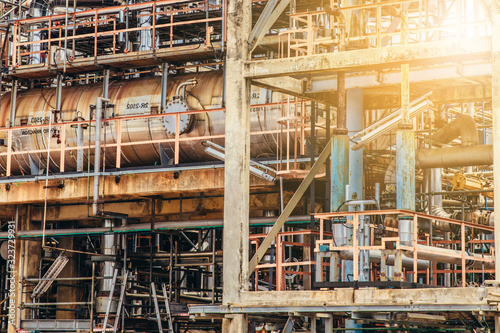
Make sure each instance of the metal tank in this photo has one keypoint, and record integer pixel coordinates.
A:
(194, 91)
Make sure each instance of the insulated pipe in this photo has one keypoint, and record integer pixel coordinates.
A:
(108, 249)
(376, 257)
(463, 127)
(405, 182)
(454, 157)
(449, 256)
(97, 151)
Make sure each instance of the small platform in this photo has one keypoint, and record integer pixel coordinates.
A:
(121, 61)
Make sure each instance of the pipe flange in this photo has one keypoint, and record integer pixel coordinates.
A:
(185, 120)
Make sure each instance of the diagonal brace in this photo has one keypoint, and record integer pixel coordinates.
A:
(261, 251)
(266, 20)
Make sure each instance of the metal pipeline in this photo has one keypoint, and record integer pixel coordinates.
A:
(97, 151)
(449, 256)
(454, 157)
(376, 257)
(145, 227)
(463, 127)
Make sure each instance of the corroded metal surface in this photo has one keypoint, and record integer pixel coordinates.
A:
(131, 98)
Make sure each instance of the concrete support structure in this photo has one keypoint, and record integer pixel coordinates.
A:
(237, 163)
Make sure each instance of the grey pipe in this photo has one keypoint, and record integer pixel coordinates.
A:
(59, 93)
(463, 127)
(212, 223)
(97, 151)
(376, 257)
(454, 157)
(164, 82)
(13, 99)
(108, 248)
(443, 255)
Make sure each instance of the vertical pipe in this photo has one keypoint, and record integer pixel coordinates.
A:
(58, 93)
(145, 35)
(436, 186)
(121, 19)
(13, 103)
(355, 124)
(105, 88)
(164, 81)
(405, 181)
(405, 161)
(79, 153)
(97, 151)
(108, 249)
(328, 163)
(312, 189)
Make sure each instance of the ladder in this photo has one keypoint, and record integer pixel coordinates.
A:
(157, 308)
(49, 277)
(120, 302)
(167, 307)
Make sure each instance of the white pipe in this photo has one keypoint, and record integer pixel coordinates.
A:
(376, 257)
(97, 151)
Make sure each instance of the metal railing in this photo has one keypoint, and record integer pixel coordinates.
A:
(420, 244)
(59, 36)
(381, 24)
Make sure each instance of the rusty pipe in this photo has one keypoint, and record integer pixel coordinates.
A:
(454, 157)
(463, 127)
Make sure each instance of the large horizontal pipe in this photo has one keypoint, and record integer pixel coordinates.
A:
(449, 256)
(141, 227)
(454, 157)
(376, 256)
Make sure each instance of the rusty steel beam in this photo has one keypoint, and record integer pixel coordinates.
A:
(377, 58)
(130, 186)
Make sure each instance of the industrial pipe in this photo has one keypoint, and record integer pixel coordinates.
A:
(454, 157)
(463, 127)
(376, 257)
(97, 151)
(145, 227)
(449, 256)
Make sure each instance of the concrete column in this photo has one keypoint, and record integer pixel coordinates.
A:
(495, 44)
(237, 163)
(235, 324)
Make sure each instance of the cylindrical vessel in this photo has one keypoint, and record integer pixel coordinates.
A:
(198, 91)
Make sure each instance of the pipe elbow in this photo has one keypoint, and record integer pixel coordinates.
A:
(463, 127)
